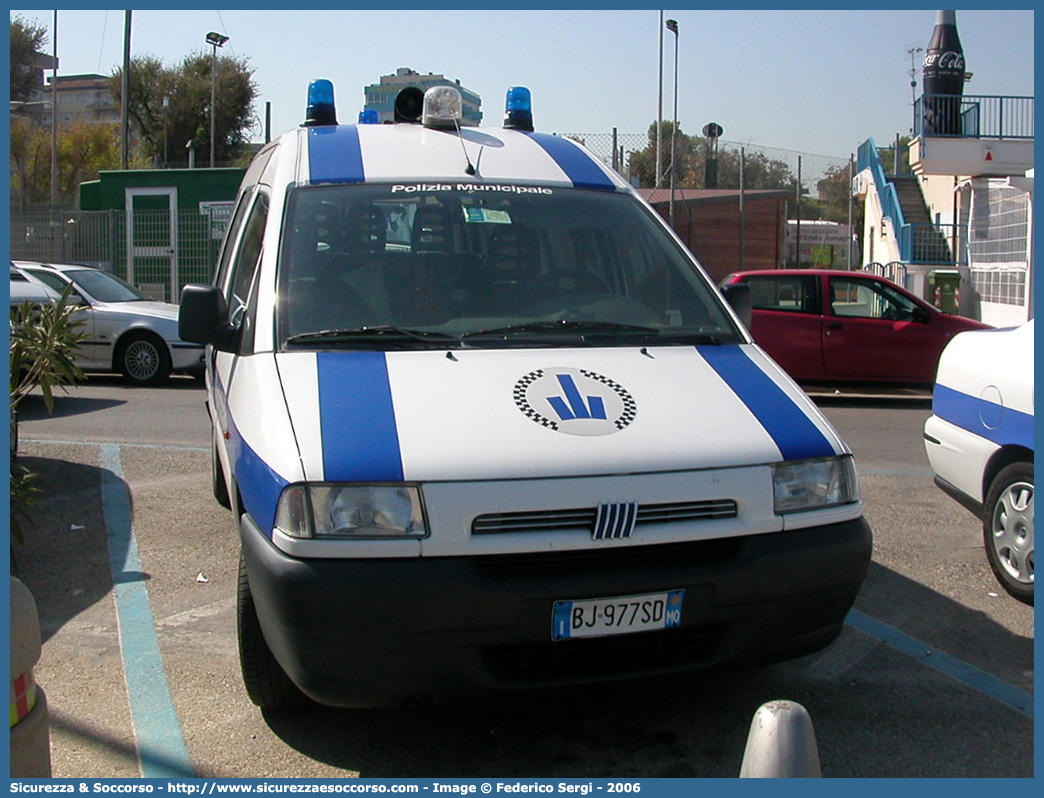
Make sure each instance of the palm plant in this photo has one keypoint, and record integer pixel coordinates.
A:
(43, 340)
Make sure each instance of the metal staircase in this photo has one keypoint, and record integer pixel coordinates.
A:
(927, 242)
(920, 240)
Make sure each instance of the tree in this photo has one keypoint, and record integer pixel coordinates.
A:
(835, 192)
(84, 150)
(27, 39)
(643, 162)
(759, 172)
(30, 162)
(164, 131)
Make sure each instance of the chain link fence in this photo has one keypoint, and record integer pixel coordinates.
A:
(616, 150)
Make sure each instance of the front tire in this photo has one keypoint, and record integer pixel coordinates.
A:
(266, 682)
(143, 359)
(1007, 528)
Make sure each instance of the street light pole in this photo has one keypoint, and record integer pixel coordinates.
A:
(215, 40)
(125, 94)
(672, 26)
(659, 112)
(54, 115)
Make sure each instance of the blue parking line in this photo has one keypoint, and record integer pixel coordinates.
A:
(161, 749)
(165, 446)
(895, 472)
(966, 674)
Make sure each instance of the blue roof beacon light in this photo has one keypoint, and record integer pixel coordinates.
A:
(369, 116)
(442, 107)
(518, 111)
(321, 109)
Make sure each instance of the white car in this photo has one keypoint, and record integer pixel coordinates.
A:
(979, 442)
(127, 332)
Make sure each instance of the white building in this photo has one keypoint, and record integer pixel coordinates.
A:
(965, 207)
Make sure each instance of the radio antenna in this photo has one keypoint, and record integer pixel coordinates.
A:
(469, 169)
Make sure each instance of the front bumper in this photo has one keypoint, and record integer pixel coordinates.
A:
(377, 632)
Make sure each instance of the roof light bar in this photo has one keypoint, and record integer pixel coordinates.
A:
(442, 107)
(321, 110)
(518, 109)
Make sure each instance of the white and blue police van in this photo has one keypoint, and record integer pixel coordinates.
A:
(484, 423)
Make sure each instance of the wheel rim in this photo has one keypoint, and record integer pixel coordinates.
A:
(142, 360)
(1013, 531)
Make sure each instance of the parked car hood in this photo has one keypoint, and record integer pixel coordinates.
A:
(159, 310)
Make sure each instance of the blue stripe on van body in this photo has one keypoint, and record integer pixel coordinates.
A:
(1007, 425)
(259, 486)
(357, 418)
(577, 164)
(793, 432)
(335, 155)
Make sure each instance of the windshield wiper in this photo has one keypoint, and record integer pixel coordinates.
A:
(573, 330)
(378, 332)
(562, 326)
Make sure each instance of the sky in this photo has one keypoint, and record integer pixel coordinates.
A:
(814, 81)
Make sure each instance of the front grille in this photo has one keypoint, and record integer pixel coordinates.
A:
(681, 555)
(620, 654)
(584, 518)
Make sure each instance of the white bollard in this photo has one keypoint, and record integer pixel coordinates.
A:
(781, 744)
(30, 738)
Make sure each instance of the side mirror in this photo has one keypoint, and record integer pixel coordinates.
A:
(203, 318)
(738, 296)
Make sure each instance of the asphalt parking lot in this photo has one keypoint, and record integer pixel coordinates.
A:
(933, 675)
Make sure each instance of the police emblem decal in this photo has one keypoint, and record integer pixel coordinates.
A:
(575, 401)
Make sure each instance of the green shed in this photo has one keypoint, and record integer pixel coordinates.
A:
(191, 189)
(166, 224)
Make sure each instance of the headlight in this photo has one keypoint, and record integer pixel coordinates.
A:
(813, 484)
(351, 511)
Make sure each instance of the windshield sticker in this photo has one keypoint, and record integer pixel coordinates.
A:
(486, 216)
(413, 188)
(575, 401)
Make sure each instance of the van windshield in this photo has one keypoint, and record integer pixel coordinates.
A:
(405, 266)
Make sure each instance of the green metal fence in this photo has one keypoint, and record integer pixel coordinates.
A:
(155, 252)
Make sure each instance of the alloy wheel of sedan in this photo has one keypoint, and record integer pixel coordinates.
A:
(144, 361)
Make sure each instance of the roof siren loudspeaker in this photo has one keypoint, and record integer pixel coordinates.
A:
(409, 104)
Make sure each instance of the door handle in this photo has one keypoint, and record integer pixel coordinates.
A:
(835, 326)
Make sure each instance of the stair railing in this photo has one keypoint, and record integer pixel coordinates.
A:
(918, 243)
(868, 158)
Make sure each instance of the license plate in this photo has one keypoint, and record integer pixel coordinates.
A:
(615, 616)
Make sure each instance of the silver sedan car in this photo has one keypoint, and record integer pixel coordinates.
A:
(24, 289)
(127, 332)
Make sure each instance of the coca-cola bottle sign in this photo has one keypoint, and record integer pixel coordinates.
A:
(947, 60)
(943, 77)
